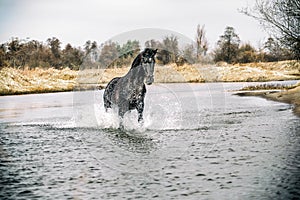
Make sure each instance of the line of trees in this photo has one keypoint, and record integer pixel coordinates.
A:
(20, 53)
(32, 53)
(281, 18)
(230, 50)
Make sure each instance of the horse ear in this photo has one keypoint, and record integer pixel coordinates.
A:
(155, 51)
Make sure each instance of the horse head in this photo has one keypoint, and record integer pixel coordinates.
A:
(146, 61)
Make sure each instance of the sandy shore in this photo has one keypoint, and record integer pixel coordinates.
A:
(291, 96)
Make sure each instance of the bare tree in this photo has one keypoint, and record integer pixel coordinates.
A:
(188, 54)
(72, 57)
(109, 54)
(2, 56)
(281, 18)
(202, 43)
(246, 53)
(54, 45)
(169, 50)
(153, 44)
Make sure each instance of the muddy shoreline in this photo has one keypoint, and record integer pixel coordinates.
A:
(290, 96)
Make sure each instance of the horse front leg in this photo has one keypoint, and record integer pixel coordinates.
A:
(140, 109)
(121, 116)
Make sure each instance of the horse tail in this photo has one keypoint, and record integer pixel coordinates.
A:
(108, 92)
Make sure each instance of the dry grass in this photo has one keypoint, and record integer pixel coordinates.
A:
(266, 86)
(260, 72)
(14, 81)
(289, 96)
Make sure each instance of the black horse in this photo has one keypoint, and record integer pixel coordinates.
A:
(128, 92)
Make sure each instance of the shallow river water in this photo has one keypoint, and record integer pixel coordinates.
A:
(198, 141)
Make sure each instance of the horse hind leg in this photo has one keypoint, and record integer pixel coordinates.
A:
(107, 99)
(121, 112)
(108, 92)
(107, 103)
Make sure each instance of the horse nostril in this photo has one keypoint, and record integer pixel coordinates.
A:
(149, 80)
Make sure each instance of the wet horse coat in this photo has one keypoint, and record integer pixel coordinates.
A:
(128, 92)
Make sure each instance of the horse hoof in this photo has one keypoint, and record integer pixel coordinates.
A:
(121, 127)
(141, 123)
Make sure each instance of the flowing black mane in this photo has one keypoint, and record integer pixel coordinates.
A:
(137, 61)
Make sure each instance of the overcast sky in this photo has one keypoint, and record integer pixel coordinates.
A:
(76, 21)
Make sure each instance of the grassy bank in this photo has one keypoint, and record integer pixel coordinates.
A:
(17, 81)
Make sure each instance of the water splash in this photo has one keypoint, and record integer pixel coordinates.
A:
(163, 111)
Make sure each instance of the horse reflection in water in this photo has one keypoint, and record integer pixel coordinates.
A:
(128, 92)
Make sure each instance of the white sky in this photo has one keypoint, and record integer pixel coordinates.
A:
(76, 21)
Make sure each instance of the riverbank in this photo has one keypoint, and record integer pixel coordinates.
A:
(18, 81)
(291, 96)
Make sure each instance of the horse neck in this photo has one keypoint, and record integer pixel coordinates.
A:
(136, 75)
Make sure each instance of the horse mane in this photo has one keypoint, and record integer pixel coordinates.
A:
(137, 61)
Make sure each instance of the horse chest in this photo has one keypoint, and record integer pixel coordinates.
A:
(136, 94)
(128, 94)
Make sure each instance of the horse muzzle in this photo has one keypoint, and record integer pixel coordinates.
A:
(149, 80)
